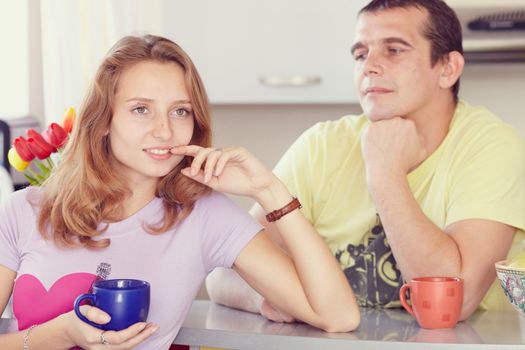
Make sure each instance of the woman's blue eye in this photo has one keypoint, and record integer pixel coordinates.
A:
(181, 112)
(140, 109)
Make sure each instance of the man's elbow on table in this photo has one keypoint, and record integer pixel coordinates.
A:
(468, 308)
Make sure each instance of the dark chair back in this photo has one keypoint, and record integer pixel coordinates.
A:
(5, 133)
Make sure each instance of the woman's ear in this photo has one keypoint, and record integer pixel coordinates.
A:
(452, 68)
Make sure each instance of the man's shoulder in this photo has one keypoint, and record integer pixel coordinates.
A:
(481, 123)
(478, 116)
(343, 130)
(347, 123)
(477, 130)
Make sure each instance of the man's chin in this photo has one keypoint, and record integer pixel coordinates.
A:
(376, 117)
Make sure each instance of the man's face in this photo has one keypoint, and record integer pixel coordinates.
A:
(393, 72)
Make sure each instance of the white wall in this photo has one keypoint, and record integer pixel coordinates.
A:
(500, 87)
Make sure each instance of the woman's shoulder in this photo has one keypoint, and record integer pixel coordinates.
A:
(25, 197)
(20, 208)
(213, 199)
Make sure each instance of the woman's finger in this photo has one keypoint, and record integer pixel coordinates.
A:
(221, 162)
(140, 337)
(188, 150)
(94, 314)
(121, 337)
(211, 160)
(199, 159)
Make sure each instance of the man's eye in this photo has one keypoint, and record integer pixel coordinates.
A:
(359, 56)
(395, 51)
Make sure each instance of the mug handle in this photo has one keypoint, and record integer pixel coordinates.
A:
(78, 300)
(403, 297)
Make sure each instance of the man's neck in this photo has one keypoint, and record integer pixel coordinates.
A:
(433, 123)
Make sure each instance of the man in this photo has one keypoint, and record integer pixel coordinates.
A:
(421, 184)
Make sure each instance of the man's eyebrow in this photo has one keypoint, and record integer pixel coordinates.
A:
(390, 40)
(397, 40)
(357, 45)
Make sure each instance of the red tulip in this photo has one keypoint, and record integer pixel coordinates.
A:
(55, 135)
(20, 145)
(38, 146)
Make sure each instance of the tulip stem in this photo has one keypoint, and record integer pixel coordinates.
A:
(32, 172)
(50, 162)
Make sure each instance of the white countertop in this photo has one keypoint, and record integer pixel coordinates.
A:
(212, 325)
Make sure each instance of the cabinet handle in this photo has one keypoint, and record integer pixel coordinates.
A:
(290, 81)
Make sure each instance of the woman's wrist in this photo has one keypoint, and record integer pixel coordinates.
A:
(51, 332)
(62, 329)
(274, 196)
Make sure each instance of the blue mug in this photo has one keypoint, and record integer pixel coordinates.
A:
(125, 300)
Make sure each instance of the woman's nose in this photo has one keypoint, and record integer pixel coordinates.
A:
(162, 129)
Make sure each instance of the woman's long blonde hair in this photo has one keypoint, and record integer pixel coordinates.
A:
(84, 190)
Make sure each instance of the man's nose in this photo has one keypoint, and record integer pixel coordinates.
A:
(372, 64)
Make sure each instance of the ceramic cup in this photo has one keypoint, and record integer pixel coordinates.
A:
(436, 301)
(125, 300)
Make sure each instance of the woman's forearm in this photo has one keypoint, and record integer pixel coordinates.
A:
(50, 336)
(327, 291)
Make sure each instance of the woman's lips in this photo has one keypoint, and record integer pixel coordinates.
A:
(158, 152)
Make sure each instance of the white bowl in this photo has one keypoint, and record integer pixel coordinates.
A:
(512, 280)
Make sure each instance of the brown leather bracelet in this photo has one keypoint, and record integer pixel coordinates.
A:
(279, 213)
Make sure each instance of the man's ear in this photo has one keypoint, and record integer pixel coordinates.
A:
(452, 67)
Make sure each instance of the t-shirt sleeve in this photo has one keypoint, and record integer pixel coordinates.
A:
(491, 182)
(226, 230)
(296, 170)
(10, 231)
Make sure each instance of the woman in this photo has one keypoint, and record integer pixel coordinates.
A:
(136, 190)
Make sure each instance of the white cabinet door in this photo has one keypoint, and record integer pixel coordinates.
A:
(272, 51)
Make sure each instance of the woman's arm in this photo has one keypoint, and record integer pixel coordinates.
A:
(308, 283)
(67, 330)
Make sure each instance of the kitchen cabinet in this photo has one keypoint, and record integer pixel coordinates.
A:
(269, 51)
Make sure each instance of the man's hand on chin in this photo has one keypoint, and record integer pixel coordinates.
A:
(391, 147)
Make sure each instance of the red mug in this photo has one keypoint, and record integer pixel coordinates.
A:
(436, 301)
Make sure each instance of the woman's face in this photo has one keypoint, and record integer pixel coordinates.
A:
(152, 113)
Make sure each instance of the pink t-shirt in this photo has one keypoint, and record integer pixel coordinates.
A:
(175, 262)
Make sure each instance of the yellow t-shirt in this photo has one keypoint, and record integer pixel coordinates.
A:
(478, 172)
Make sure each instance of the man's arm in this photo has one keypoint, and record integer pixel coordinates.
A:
(466, 249)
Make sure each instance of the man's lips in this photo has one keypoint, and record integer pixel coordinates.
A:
(377, 90)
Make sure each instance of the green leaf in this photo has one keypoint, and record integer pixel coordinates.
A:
(32, 180)
(42, 167)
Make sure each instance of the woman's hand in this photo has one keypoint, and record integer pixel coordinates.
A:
(87, 337)
(233, 170)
